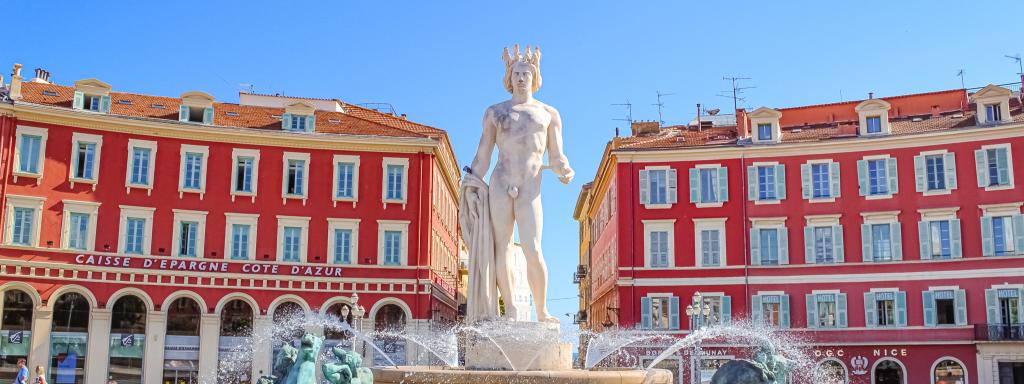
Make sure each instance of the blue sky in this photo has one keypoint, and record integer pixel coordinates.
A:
(440, 62)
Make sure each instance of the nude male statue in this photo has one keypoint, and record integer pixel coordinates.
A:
(523, 129)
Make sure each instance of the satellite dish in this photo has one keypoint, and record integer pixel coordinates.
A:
(713, 112)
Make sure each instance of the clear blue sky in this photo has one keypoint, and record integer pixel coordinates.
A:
(441, 62)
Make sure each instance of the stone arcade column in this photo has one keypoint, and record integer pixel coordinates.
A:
(209, 348)
(98, 355)
(261, 351)
(39, 352)
(153, 357)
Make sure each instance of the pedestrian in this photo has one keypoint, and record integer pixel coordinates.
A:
(22, 377)
(40, 375)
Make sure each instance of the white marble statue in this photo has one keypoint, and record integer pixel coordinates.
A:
(523, 129)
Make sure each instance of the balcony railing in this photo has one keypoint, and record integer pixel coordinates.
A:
(999, 332)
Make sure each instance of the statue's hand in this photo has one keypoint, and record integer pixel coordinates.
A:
(566, 174)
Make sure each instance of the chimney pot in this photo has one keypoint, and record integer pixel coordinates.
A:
(871, 95)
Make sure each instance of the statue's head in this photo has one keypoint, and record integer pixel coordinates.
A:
(522, 70)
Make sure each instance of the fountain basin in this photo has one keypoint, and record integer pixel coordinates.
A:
(518, 346)
(432, 375)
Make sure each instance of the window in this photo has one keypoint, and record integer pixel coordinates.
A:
(886, 309)
(91, 103)
(721, 310)
(878, 181)
(240, 241)
(189, 233)
(710, 247)
(659, 312)
(23, 226)
(193, 168)
(196, 114)
(1004, 311)
(826, 310)
(31, 143)
(188, 238)
(240, 236)
(78, 231)
(659, 243)
(881, 237)
(940, 239)
(343, 235)
(949, 371)
(771, 309)
(659, 249)
(79, 225)
(299, 122)
(344, 187)
(1002, 232)
(824, 245)
(295, 176)
(993, 113)
(877, 177)
(820, 180)
(395, 179)
(140, 163)
(881, 242)
(342, 246)
(769, 242)
(709, 186)
(135, 236)
(392, 247)
(874, 124)
(134, 230)
(820, 187)
(293, 238)
(764, 132)
(936, 172)
(944, 306)
(292, 244)
(767, 182)
(658, 187)
(993, 166)
(245, 173)
(85, 154)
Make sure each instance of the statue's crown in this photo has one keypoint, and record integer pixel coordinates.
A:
(530, 56)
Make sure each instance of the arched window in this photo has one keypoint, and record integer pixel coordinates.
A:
(390, 317)
(830, 372)
(389, 321)
(235, 362)
(289, 321)
(16, 326)
(888, 371)
(949, 371)
(342, 312)
(181, 345)
(127, 335)
(69, 338)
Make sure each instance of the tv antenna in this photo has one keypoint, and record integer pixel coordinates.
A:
(661, 104)
(961, 74)
(629, 112)
(250, 86)
(736, 91)
(1020, 65)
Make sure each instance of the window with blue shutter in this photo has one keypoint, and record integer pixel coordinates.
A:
(993, 167)
(208, 115)
(820, 181)
(708, 185)
(769, 246)
(658, 187)
(820, 244)
(84, 161)
(1003, 306)
(673, 313)
(134, 235)
(28, 153)
(1002, 235)
(90, 102)
(936, 239)
(882, 242)
(885, 309)
(240, 241)
(943, 307)
(645, 313)
(343, 246)
(878, 179)
(826, 310)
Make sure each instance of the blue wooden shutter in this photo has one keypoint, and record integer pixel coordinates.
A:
(1018, 233)
(834, 183)
(1004, 166)
(841, 311)
(897, 240)
(105, 104)
(805, 181)
(894, 186)
(961, 307)
(862, 177)
(812, 310)
(928, 300)
(901, 308)
(645, 313)
(988, 247)
(183, 113)
(780, 182)
(955, 242)
(752, 187)
(809, 245)
(981, 167)
(783, 246)
(784, 311)
(949, 160)
(870, 320)
(673, 197)
(311, 123)
(920, 174)
(756, 314)
(838, 244)
(79, 100)
(755, 247)
(925, 239)
(865, 243)
(286, 121)
(645, 187)
(726, 309)
(694, 185)
(723, 184)
(673, 312)
(992, 306)
(208, 115)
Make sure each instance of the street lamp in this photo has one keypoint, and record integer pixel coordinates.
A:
(699, 312)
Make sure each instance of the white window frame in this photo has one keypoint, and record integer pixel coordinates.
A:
(146, 213)
(777, 223)
(76, 138)
(883, 217)
(895, 300)
(404, 162)
(829, 162)
(867, 174)
(764, 115)
(924, 159)
(717, 223)
(1002, 210)
(43, 133)
(230, 219)
(873, 108)
(31, 202)
(1009, 165)
(300, 156)
(757, 182)
(667, 203)
(393, 225)
(151, 146)
(780, 294)
(666, 225)
(721, 199)
(706, 295)
(349, 224)
(943, 214)
(835, 293)
(935, 364)
(185, 149)
(354, 159)
(669, 296)
(90, 208)
(237, 153)
(293, 221)
(833, 221)
(181, 215)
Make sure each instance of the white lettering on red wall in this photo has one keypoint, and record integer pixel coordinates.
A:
(204, 266)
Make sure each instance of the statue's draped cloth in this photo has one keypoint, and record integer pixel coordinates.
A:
(475, 220)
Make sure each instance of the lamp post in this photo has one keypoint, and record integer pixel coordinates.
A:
(699, 312)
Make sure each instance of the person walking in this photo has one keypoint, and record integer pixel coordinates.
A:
(40, 375)
(22, 377)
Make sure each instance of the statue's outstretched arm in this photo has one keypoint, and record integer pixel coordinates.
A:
(482, 161)
(556, 157)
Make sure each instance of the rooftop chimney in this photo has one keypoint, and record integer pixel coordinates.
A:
(741, 123)
(871, 95)
(935, 111)
(42, 76)
(16, 82)
(641, 128)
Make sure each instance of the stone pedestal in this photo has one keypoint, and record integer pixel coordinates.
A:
(517, 346)
(433, 375)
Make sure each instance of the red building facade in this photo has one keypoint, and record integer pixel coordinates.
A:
(888, 231)
(144, 236)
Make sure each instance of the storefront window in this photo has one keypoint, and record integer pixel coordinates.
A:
(15, 333)
(69, 339)
(830, 372)
(235, 362)
(337, 333)
(949, 372)
(181, 346)
(389, 322)
(289, 324)
(888, 372)
(127, 335)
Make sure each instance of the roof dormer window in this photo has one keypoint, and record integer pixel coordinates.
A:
(993, 105)
(874, 124)
(764, 132)
(873, 115)
(299, 117)
(993, 113)
(196, 107)
(769, 130)
(91, 95)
